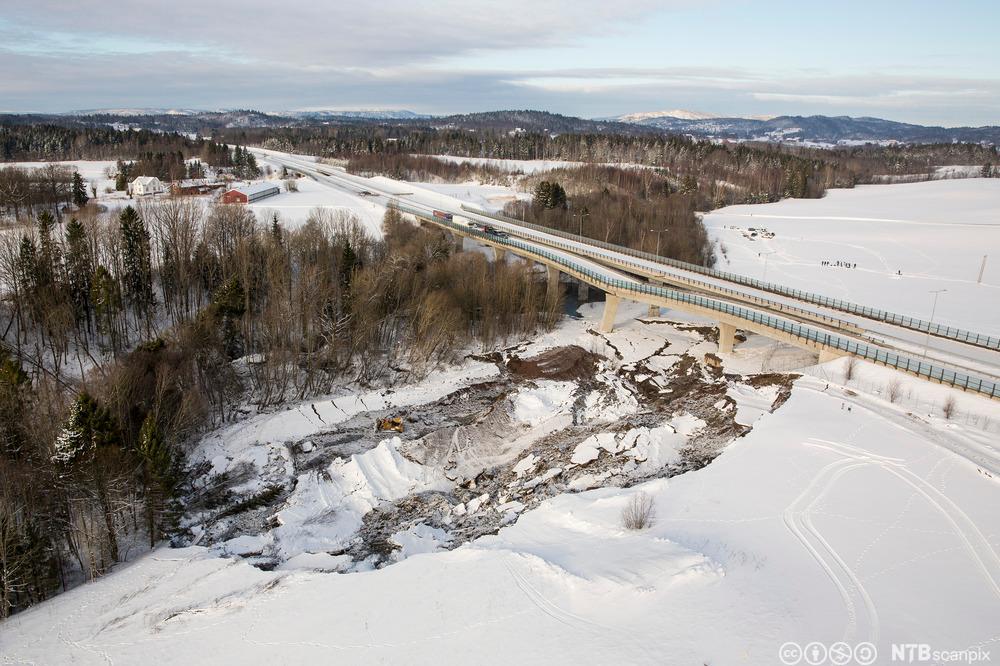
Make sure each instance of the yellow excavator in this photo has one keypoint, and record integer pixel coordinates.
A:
(389, 423)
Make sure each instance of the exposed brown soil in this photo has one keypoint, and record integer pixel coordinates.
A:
(561, 363)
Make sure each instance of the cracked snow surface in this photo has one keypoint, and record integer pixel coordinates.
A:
(317, 486)
(794, 506)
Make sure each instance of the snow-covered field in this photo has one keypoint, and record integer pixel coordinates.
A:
(94, 172)
(906, 240)
(839, 517)
(854, 511)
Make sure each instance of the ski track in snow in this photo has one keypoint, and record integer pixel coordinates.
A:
(797, 518)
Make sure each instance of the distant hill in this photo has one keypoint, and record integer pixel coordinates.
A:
(808, 130)
(365, 114)
(818, 129)
(536, 121)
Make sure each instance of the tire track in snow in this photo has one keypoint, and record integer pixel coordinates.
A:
(797, 520)
(975, 542)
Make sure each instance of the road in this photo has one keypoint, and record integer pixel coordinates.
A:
(617, 265)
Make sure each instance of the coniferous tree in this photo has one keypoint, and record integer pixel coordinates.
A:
(158, 472)
(137, 264)
(106, 299)
(80, 197)
(121, 176)
(79, 271)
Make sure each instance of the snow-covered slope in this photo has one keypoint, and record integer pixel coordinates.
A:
(822, 524)
(673, 113)
(901, 242)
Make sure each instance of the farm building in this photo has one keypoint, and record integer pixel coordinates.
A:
(144, 185)
(195, 186)
(250, 193)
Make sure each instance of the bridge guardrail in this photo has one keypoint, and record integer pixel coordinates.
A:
(852, 347)
(904, 321)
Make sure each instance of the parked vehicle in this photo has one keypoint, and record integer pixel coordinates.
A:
(493, 231)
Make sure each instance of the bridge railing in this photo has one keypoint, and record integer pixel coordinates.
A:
(904, 321)
(822, 338)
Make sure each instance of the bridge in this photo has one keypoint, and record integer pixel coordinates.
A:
(830, 327)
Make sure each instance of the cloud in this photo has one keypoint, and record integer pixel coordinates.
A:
(295, 54)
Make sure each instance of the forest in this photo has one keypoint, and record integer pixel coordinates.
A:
(126, 335)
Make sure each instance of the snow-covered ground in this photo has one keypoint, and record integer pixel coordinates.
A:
(94, 172)
(839, 517)
(905, 239)
(854, 511)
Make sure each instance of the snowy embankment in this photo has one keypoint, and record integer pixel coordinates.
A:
(839, 516)
(886, 246)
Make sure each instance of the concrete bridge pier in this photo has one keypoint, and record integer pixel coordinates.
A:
(582, 291)
(499, 254)
(727, 337)
(552, 287)
(654, 311)
(610, 310)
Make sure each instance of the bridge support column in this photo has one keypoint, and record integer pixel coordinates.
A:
(499, 254)
(654, 311)
(828, 355)
(727, 336)
(552, 288)
(610, 310)
(582, 291)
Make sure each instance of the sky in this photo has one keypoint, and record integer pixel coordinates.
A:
(909, 60)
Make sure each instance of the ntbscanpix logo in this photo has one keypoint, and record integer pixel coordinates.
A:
(837, 654)
(865, 654)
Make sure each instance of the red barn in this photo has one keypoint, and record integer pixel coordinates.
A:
(250, 193)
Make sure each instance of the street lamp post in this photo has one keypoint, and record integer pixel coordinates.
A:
(927, 343)
(766, 255)
(658, 233)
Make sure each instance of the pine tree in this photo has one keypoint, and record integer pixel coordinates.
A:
(276, 232)
(79, 271)
(106, 299)
(27, 265)
(543, 194)
(80, 197)
(49, 254)
(88, 428)
(158, 473)
(137, 263)
(348, 264)
(228, 303)
(121, 176)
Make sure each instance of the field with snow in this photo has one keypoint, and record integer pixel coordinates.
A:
(905, 240)
(787, 507)
(837, 516)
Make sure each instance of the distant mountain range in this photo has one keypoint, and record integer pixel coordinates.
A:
(804, 130)
(809, 129)
(372, 114)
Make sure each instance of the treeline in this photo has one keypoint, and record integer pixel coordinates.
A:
(425, 168)
(23, 190)
(126, 335)
(27, 142)
(725, 173)
(637, 208)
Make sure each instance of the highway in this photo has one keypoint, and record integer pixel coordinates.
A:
(623, 268)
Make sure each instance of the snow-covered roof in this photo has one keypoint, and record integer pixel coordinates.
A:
(256, 188)
(146, 180)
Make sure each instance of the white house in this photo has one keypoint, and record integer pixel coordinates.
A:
(147, 185)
